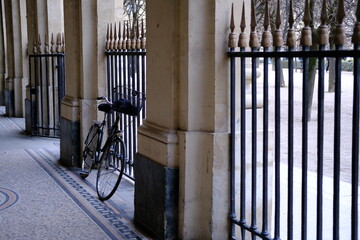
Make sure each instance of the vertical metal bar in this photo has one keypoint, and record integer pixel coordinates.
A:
(254, 142)
(304, 147)
(320, 146)
(31, 93)
(41, 97)
(291, 147)
(265, 145)
(143, 84)
(232, 144)
(355, 152)
(53, 94)
(337, 132)
(277, 145)
(47, 95)
(242, 144)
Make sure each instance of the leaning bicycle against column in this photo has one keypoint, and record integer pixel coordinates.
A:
(110, 157)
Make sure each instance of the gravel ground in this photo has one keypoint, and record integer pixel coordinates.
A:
(346, 125)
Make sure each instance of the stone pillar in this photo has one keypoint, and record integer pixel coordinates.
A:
(85, 31)
(2, 55)
(17, 62)
(182, 165)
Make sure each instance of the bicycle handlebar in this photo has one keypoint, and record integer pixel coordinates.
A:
(104, 99)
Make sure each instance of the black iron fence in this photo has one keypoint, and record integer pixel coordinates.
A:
(291, 177)
(47, 88)
(126, 68)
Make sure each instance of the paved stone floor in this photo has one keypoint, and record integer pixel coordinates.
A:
(40, 199)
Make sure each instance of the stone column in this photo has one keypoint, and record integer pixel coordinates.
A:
(85, 31)
(2, 55)
(182, 170)
(17, 63)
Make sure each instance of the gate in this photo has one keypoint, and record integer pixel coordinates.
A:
(297, 179)
(47, 87)
(126, 68)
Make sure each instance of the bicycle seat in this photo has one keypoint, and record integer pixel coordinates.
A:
(125, 106)
(105, 107)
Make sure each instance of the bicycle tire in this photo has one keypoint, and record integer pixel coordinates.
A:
(90, 151)
(111, 169)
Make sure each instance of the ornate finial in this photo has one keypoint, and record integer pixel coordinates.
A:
(116, 40)
(243, 37)
(133, 38)
(266, 37)
(39, 45)
(143, 38)
(35, 46)
(306, 39)
(111, 37)
(232, 36)
(278, 39)
(107, 42)
(46, 50)
(340, 30)
(323, 31)
(63, 43)
(138, 37)
(356, 35)
(124, 38)
(58, 43)
(254, 41)
(119, 44)
(53, 47)
(128, 41)
(291, 14)
(291, 38)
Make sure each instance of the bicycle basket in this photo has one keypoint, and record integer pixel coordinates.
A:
(130, 101)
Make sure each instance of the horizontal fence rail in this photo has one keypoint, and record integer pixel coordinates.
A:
(126, 69)
(293, 175)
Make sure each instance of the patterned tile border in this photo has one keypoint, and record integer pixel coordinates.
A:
(9, 126)
(8, 199)
(112, 223)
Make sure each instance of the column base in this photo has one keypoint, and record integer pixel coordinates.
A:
(156, 197)
(69, 143)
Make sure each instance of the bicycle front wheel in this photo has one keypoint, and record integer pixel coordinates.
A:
(111, 169)
(90, 150)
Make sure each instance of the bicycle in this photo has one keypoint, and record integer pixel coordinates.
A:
(112, 160)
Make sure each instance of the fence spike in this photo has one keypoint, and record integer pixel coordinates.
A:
(133, 37)
(116, 40)
(111, 37)
(128, 41)
(138, 37)
(278, 38)
(107, 45)
(39, 44)
(356, 35)
(46, 50)
(35, 45)
(53, 47)
(232, 36)
(266, 36)
(339, 38)
(291, 38)
(243, 37)
(63, 43)
(119, 46)
(124, 37)
(143, 38)
(254, 41)
(306, 38)
(323, 31)
(58, 43)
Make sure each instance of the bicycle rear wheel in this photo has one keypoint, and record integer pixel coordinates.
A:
(111, 169)
(90, 150)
